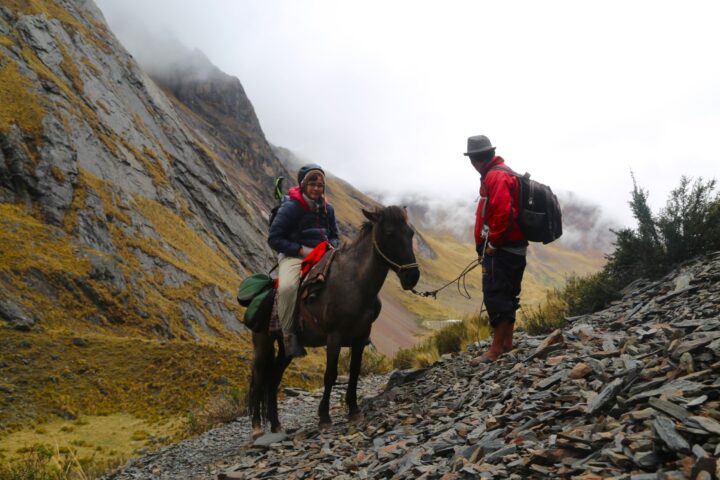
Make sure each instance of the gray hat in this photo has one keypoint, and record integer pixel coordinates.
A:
(478, 144)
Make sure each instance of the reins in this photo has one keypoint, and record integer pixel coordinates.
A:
(460, 279)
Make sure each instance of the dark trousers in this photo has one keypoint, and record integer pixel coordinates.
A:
(502, 276)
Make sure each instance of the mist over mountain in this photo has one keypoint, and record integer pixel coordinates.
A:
(585, 226)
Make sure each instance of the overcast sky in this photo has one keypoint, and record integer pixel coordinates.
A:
(385, 93)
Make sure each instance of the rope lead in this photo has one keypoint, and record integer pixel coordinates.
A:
(460, 279)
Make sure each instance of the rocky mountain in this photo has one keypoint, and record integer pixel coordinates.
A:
(630, 392)
(112, 165)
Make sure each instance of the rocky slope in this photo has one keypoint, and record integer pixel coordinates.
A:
(160, 222)
(631, 392)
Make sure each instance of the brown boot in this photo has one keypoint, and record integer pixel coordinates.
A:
(508, 341)
(497, 347)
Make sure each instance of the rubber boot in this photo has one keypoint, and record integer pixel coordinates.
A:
(293, 347)
(508, 340)
(497, 348)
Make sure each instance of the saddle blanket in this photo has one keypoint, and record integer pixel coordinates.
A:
(313, 272)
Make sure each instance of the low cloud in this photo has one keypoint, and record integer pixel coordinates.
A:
(585, 227)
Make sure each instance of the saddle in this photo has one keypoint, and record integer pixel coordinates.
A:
(315, 271)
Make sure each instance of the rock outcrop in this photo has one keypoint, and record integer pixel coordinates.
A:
(118, 164)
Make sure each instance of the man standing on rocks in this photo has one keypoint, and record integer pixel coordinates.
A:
(499, 242)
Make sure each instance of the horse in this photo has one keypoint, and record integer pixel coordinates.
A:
(341, 315)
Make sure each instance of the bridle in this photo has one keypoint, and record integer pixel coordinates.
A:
(398, 268)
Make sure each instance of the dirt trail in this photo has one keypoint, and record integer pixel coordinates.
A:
(396, 327)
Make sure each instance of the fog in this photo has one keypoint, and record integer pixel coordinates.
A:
(385, 94)
(584, 225)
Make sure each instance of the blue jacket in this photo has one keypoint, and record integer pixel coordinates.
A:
(295, 226)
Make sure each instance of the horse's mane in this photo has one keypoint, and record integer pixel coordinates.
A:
(393, 214)
(365, 230)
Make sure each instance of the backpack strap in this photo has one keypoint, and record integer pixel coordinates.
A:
(505, 169)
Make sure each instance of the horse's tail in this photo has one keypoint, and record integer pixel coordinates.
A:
(260, 378)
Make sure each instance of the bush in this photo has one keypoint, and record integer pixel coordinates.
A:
(43, 462)
(688, 226)
(449, 339)
(406, 358)
(373, 362)
(588, 294)
(547, 316)
(219, 410)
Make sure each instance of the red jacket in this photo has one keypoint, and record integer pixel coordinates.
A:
(503, 191)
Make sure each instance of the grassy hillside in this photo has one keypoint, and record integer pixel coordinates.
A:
(94, 354)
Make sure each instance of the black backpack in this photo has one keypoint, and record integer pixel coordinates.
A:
(540, 217)
(279, 197)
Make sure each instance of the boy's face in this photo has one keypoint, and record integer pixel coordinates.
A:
(476, 162)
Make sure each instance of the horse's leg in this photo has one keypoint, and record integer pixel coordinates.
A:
(262, 362)
(279, 365)
(357, 348)
(333, 353)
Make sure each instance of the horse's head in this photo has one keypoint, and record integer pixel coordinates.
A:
(393, 243)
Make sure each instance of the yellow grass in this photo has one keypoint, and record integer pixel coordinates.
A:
(6, 42)
(96, 33)
(20, 104)
(115, 436)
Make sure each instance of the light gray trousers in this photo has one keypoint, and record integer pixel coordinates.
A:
(288, 284)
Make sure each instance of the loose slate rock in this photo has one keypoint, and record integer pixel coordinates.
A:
(605, 397)
(665, 428)
(634, 415)
(707, 423)
(268, 439)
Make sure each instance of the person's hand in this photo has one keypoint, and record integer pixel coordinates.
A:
(490, 250)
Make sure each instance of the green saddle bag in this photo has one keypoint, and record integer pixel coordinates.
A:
(257, 294)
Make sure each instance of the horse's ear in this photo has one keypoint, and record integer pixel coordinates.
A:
(373, 216)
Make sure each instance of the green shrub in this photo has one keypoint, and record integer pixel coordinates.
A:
(373, 362)
(590, 293)
(449, 339)
(688, 226)
(219, 410)
(547, 316)
(405, 358)
(43, 462)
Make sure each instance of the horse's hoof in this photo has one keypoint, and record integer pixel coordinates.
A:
(356, 417)
(257, 433)
(325, 424)
(277, 429)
